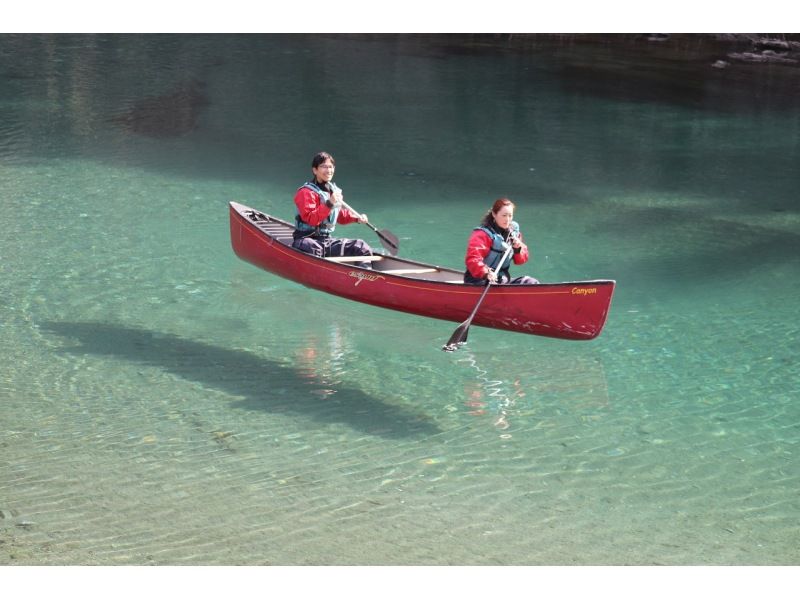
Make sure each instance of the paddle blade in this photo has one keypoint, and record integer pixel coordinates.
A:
(459, 337)
(390, 242)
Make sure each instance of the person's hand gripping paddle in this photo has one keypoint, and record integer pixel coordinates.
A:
(460, 335)
(390, 242)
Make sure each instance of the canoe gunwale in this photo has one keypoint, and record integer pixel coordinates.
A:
(569, 310)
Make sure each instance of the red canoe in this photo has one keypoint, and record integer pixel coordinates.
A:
(568, 310)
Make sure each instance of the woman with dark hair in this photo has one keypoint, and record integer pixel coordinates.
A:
(319, 208)
(488, 244)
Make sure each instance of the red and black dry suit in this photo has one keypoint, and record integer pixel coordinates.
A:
(485, 249)
(316, 218)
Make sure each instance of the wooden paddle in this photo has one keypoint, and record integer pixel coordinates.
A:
(460, 334)
(390, 242)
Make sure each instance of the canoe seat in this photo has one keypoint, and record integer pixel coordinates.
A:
(355, 258)
(276, 231)
(409, 271)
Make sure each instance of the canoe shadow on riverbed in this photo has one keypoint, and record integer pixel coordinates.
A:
(264, 384)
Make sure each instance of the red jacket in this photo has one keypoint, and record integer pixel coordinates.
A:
(312, 211)
(478, 248)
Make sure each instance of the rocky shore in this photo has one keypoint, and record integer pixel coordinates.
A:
(719, 50)
(768, 50)
(720, 71)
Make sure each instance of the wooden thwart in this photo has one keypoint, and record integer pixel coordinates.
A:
(355, 258)
(408, 271)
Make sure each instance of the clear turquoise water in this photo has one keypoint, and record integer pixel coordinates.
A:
(163, 402)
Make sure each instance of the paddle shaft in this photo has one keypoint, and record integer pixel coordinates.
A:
(393, 243)
(460, 334)
(466, 323)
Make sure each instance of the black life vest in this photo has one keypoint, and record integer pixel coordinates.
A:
(498, 248)
(325, 228)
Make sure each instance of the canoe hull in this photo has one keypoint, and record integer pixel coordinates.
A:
(568, 310)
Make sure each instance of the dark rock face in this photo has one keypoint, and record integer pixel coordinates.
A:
(169, 115)
(776, 51)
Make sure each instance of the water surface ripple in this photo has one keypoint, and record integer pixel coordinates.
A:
(166, 403)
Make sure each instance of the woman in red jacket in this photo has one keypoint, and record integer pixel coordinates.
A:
(488, 244)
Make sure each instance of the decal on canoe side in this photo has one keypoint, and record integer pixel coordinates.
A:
(580, 291)
(359, 276)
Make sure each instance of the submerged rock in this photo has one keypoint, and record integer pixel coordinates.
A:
(780, 45)
(8, 514)
(776, 51)
(169, 115)
(765, 56)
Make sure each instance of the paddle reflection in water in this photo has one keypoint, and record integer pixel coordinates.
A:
(485, 391)
(569, 385)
